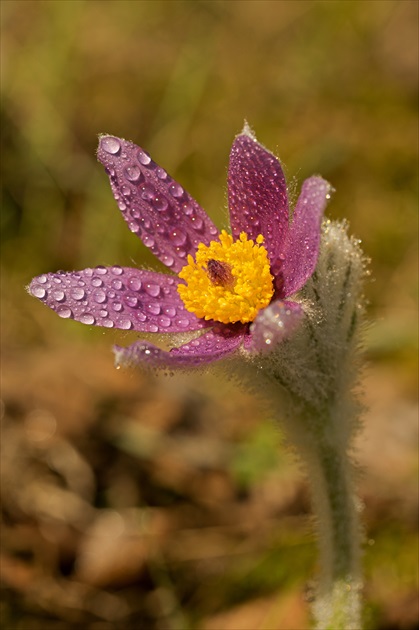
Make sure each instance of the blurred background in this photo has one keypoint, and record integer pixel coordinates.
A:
(130, 501)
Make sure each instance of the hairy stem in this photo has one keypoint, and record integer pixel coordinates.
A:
(337, 605)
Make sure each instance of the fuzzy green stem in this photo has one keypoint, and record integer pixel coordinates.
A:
(337, 604)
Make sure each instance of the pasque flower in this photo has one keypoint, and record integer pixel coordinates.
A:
(233, 289)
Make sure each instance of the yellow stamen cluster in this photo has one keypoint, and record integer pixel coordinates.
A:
(249, 287)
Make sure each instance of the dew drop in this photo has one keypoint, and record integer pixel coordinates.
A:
(182, 322)
(42, 279)
(117, 270)
(96, 282)
(122, 206)
(170, 311)
(168, 261)
(103, 313)
(133, 173)
(143, 157)
(140, 316)
(77, 293)
(58, 295)
(160, 203)
(161, 173)
(108, 323)
(134, 284)
(124, 323)
(148, 241)
(197, 223)
(87, 318)
(165, 321)
(148, 192)
(131, 300)
(38, 292)
(110, 145)
(152, 289)
(117, 306)
(133, 226)
(64, 311)
(116, 284)
(154, 309)
(99, 296)
(188, 209)
(152, 328)
(178, 238)
(101, 270)
(176, 190)
(126, 191)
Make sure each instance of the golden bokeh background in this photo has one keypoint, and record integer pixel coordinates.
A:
(172, 503)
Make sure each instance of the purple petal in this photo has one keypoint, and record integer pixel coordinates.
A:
(156, 208)
(257, 194)
(273, 324)
(117, 297)
(301, 247)
(211, 346)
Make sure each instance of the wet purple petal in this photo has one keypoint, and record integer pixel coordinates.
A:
(156, 208)
(211, 346)
(257, 194)
(272, 325)
(301, 247)
(117, 297)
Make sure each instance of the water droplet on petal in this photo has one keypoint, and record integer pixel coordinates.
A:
(161, 173)
(134, 284)
(152, 289)
(148, 192)
(117, 306)
(176, 190)
(134, 227)
(131, 300)
(154, 309)
(182, 322)
(143, 158)
(77, 293)
(122, 206)
(108, 323)
(152, 328)
(101, 270)
(116, 284)
(99, 296)
(133, 173)
(42, 279)
(197, 223)
(58, 295)
(160, 203)
(38, 292)
(110, 145)
(168, 261)
(165, 321)
(87, 318)
(177, 237)
(96, 282)
(148, 241)
(124, 323)
(170, 310)
(64, 311)
(117, 270)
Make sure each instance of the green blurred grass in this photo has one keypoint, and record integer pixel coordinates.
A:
(330, 86)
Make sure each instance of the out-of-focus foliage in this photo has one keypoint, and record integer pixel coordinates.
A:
(331, 87)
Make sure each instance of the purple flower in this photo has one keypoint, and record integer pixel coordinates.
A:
(232, 288)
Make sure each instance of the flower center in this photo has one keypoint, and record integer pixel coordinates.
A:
(228, 281)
